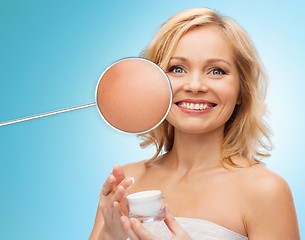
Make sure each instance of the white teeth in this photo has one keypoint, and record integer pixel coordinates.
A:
(193, 106)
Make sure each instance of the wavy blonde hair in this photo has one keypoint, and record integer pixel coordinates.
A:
(245, 132)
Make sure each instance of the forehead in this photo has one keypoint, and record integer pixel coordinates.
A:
(204, 42)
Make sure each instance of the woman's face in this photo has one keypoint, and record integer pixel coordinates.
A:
(205, 81)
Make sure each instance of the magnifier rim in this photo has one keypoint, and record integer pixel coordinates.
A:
(170, 89)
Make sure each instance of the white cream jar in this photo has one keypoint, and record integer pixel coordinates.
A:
(146, 206)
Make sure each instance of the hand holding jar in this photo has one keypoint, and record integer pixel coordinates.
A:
(136, 230)
(111, 196)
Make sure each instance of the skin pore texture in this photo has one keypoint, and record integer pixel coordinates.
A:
(251, 200)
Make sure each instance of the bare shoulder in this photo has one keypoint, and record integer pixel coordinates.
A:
(268, 205)
(135, 169)
(139, 169)
(260, 186)
(260, 179)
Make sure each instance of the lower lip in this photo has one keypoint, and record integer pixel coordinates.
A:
(191, 111)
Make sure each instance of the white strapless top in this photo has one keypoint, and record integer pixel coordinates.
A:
(198, 229)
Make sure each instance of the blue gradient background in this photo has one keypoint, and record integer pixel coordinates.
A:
(51, 56)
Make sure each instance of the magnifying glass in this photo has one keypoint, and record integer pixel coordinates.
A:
(133, 95)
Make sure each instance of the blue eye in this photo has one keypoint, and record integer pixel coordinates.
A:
(218, 71)
(175, 69)
(178, 70)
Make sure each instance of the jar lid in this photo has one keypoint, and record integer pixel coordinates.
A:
(144, 196)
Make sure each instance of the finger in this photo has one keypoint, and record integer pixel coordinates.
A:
(119, 194)
(172, 224)
(108, 185)
(127, 228)
(117, 213)
(121, 189)
(140, 231)
(118, 172)
(127, 182)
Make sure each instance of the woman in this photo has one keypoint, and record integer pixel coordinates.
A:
(210, 174)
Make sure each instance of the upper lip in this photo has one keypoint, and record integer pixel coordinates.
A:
(200, 101)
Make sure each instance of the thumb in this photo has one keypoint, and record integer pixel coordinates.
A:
(172, 224)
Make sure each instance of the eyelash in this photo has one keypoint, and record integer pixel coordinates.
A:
(172, 68)
(223, 72)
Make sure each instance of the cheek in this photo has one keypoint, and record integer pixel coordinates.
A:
(230, 97)
(177, 83)
(228, 92)
(171, 115)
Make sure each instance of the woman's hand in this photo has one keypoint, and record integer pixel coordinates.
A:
(136, 231)
(111, 196)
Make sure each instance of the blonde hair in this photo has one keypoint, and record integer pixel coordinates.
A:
(245, 131)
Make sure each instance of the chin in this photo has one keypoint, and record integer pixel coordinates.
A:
(193, 129)
(198, 128)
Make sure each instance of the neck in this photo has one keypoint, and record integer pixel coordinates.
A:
(196, 151)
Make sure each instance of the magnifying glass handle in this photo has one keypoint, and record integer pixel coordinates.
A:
(47, 114)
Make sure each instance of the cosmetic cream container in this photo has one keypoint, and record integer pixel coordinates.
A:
(147, 206)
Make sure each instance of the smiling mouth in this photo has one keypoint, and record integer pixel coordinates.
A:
(195, 106)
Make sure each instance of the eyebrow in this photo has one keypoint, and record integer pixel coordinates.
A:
(210, 60)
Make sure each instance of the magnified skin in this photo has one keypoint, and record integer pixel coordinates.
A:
(133, 95)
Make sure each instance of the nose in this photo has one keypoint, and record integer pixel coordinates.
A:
(195, 83)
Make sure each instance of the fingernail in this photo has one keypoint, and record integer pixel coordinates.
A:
(132, 179)
(133, 221)
(127, 180)
(110, 179)
(123, 219)
(120, 189)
